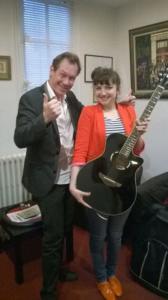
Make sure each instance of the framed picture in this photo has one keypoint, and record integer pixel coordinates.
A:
(93, 61)
(5, 68)
(148, 57)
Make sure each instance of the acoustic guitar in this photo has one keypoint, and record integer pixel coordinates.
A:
(111, 178)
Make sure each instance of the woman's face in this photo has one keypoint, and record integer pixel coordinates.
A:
(106, 94)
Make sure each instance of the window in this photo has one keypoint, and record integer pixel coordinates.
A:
(47, 32)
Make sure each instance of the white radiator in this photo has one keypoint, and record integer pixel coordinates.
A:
(11, 188)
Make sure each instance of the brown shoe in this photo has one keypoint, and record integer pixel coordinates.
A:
(115, 285)
(106, 291)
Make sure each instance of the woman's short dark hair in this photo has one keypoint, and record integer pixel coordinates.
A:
(107, 76)
(71, 57)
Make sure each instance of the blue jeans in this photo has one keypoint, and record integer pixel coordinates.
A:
(111, 230)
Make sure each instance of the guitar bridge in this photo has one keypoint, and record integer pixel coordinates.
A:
(108, 181)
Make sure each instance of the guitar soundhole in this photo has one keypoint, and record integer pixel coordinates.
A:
(121, 162)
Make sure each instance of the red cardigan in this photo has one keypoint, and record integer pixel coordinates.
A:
(91, 138)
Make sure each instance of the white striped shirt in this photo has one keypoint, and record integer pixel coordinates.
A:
(113, 126)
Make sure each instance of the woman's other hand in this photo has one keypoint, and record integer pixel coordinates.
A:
(78, 195)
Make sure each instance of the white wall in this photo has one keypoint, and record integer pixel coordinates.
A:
(93, 31)
(98, 30)
(10, 91)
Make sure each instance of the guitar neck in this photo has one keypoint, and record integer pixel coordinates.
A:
(152, 102)
(132, 139)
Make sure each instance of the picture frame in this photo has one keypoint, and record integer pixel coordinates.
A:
(92, 61)
(5, 67)
(148, 56)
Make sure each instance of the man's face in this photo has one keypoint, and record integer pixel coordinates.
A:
(63, 78)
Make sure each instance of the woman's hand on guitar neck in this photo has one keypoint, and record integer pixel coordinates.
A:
(142, 126)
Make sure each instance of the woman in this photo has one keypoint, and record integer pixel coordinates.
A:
(95, 124)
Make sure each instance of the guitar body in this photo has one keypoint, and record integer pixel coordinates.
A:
(111, 179)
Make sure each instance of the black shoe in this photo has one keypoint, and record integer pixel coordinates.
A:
(66, 275)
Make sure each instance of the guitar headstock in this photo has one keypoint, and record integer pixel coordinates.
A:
(163, 76)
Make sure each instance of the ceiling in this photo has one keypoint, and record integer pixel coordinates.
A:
(113, 3)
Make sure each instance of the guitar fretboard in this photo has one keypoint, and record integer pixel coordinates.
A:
(132, 139)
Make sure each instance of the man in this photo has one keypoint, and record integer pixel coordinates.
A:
(45, 125)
